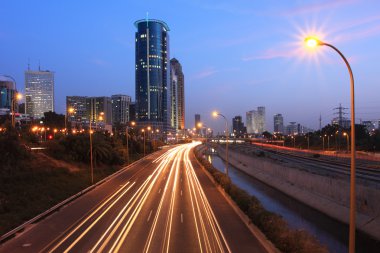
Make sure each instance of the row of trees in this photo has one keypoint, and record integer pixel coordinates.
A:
(331, 137)
(107, 149)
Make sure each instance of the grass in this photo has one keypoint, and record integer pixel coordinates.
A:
(36, 184)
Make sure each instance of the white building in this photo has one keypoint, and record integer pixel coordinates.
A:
(255, 121)
(39, 93)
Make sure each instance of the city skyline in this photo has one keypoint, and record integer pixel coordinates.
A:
(243, 66)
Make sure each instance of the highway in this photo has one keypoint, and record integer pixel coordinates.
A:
(164, 203)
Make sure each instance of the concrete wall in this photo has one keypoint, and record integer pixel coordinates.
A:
(326, 194)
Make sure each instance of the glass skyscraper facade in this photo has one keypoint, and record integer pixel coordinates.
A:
(39, 92)
(278, 122)
(7, 90)
(152, 73)
(177, 92)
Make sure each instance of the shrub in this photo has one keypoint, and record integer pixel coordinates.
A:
(271, 224)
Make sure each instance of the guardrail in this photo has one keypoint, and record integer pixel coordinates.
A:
(55, 208)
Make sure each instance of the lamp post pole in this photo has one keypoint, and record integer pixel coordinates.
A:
(91, 160)
(315, 42)
(127, 136)
(144, 140)
(227, 135)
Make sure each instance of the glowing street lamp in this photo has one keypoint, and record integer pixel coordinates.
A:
(216, 114)
(143, 130)
(127, 136)
(69, 111)
(348, 141)
(313, 42)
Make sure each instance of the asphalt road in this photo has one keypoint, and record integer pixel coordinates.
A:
(164, 203)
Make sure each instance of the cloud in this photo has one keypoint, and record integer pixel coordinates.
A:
(312, 8)
(205, 73)
(212, 71)
(360, 34)
(272, 54)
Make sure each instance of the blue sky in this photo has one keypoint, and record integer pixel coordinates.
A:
(236, 55)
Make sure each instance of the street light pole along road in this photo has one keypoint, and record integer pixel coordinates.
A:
(215, 114)
(312, 42)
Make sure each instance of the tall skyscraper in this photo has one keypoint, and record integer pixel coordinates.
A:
(39, 92)
(177, 94)
(120, 109)
(152, 73)
(255, 120)
(278, 122)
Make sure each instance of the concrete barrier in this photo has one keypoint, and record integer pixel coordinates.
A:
(328, 195)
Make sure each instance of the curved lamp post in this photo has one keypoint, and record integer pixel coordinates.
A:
(216, 114)
(313, 42)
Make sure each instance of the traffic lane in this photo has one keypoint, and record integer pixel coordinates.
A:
(104, 227)
(38, 235)
(136, 239)
(238, 236)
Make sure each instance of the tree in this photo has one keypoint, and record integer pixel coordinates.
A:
(53, 120)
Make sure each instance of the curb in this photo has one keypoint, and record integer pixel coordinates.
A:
(268, 245)
(56, 208)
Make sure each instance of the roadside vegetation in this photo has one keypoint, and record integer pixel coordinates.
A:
(272, 225)
(33, 181)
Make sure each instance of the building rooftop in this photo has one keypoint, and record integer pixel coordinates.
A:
(152, 20)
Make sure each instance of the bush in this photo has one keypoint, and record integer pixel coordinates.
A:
(271, 224)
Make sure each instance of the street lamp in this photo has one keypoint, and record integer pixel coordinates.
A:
(216, 114)
(348, 141)
(127, 136)
(15, 98)
(143, 130)
(69, 111)
(313, 42)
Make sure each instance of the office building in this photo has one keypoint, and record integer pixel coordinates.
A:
(120, 109)
(255, 121)
(177, 95)
(132, 111)
(152, 73)
(78, 104)
(7, 91)
(278, 124)
(39, 92)
(238, 128)
(99, 110)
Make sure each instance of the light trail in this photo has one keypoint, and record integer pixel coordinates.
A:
(118, 213)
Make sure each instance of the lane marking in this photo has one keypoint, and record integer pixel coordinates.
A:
(149, 215)
(181, 192)
(159, 191)
(181, 218)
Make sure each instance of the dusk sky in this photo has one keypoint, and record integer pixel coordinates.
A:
(236, 55)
